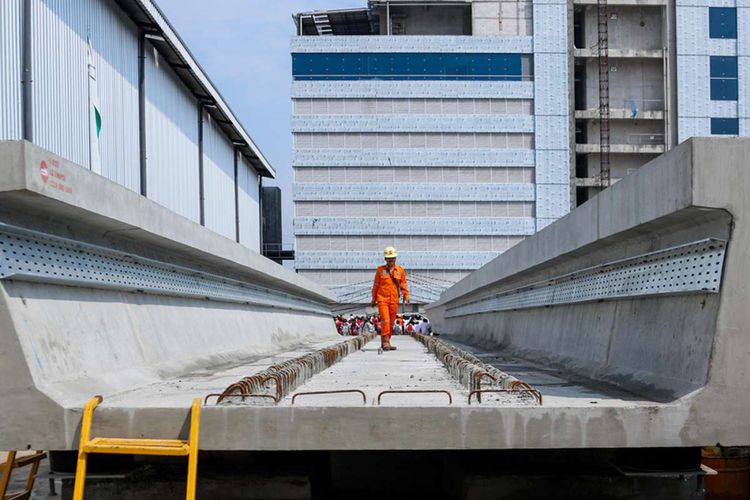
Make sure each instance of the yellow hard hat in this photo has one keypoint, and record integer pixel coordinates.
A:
(390, 253)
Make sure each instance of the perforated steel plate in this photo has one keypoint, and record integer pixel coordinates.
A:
(692, 268)
(33, 256)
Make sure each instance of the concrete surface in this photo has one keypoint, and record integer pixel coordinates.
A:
(342, 422)
(410, 367)
(688, 351)
(174, 392)
(60, 345)
(680, 361)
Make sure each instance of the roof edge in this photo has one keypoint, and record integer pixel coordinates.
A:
(159, 21)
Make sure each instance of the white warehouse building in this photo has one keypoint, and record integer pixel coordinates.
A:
(162, 128)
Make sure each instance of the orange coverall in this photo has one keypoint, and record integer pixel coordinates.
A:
(385, 293)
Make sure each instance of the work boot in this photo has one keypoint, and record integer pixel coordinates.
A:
(386, 343)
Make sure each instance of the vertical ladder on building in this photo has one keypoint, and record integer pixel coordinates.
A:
(322, 24)
(603, 53)
(125, 446)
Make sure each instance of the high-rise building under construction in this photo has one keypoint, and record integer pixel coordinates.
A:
(453, 129)
(440, 128)
(648, 75)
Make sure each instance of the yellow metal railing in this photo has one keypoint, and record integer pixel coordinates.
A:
(127, 446)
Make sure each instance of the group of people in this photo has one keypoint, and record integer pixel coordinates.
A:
(414, 324)
(404, 324)
(354, 325)
(388, 290)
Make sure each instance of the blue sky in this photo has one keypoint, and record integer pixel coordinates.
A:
(243, 45)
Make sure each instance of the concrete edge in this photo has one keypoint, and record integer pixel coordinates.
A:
(104, 204)
(573, 231)
(385, 428)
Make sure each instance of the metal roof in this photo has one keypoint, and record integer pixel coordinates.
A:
(398, 3)
(148, 17)
(341, 22)
(356, 21)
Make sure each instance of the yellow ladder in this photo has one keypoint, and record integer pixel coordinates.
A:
(15, 461)
(125, 446)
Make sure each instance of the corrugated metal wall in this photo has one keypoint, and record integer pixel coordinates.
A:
(11, 24)
(60, 76)
(172, 139)
(60, 116)
(249, 205)
(115, 41)
(61, 92)
(218, 179)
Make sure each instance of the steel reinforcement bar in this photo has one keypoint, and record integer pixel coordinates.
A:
(278, 380)
(473, 372)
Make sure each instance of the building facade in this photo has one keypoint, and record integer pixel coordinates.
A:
(163, 129)
(454, 129)
(713, 68)
(638, 74)
(440, 128)
(674, 70)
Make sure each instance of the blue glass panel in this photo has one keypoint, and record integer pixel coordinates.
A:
(723, 89)
(725, 126)
(723, 66)
(722, 22)
(408, 66)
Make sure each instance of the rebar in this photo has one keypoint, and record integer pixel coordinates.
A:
(243, 396)
(416, 391)
(470, 371)
(339, 391)
(533, 392)
(282, 378)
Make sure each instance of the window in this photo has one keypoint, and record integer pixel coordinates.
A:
(723, 78)
(722, 22)
(411, 66)
(725, 126)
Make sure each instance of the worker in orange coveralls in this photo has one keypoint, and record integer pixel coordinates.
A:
(390, 279)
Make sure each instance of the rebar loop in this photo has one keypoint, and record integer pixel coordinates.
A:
(471, 372)
(282, 378)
